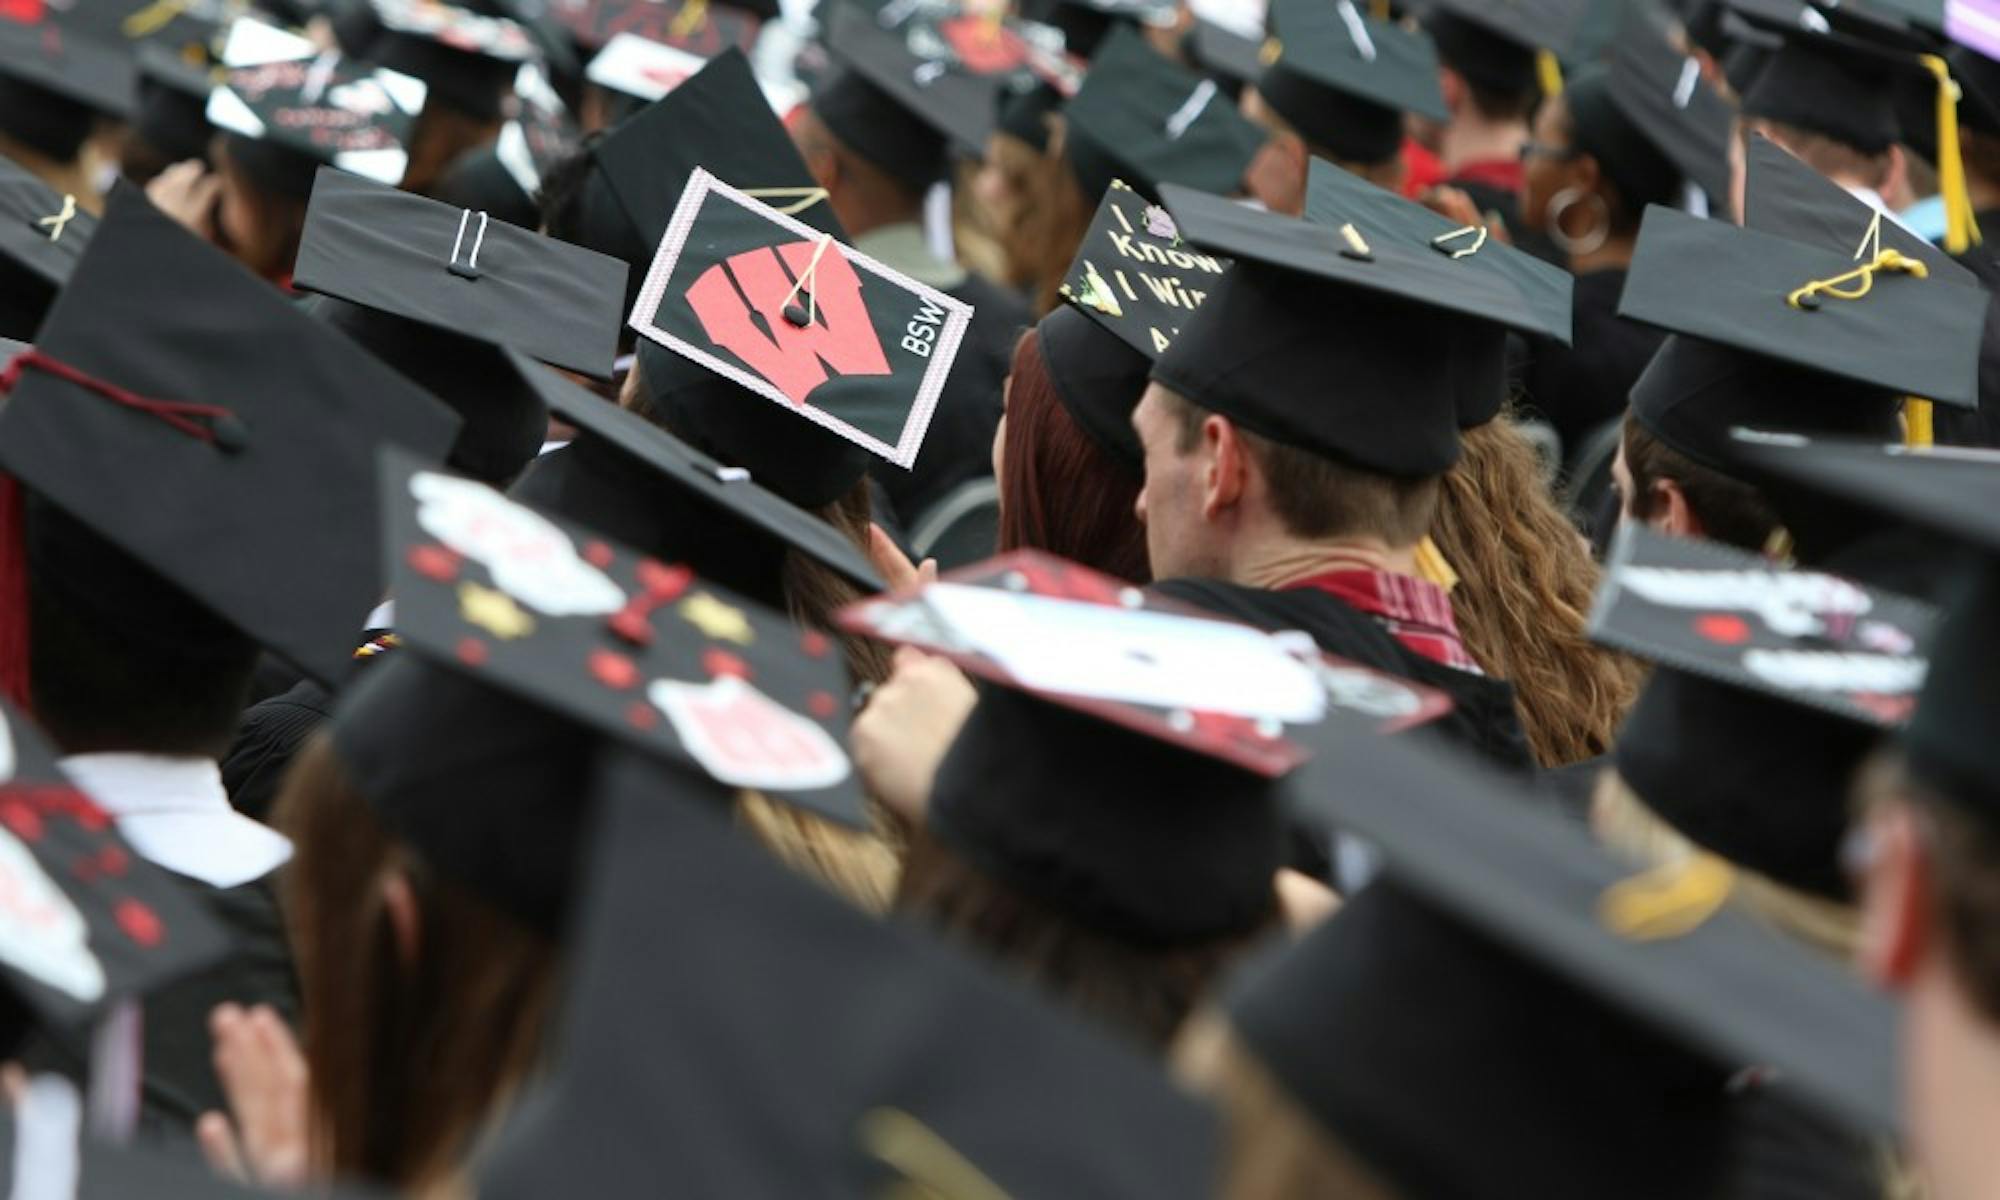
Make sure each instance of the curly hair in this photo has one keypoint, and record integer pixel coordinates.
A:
(1525, 585)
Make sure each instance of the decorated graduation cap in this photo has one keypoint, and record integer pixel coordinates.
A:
(467, 59)
(632, 481)
(505, 178)
(292, 107)
(1773, 684)
(813, 330)
(260, 422)
(1224, 53)
(1148, 121)
(1121, 764)
(436, 292)
(85, 920)
(51, 62)
(696, 26)
(1336, 197)
(1594, 1013)
(535, 639)
(1343, 81)
(1773, 333)
(42, 235)
(737, 1030)
(640, 67)
(1402, 322)
(1650, 120)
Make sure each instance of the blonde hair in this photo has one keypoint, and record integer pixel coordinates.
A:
(1273, 1149)
(1524, 594)
(860, 866)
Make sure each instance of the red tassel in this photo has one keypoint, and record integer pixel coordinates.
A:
(13, 596)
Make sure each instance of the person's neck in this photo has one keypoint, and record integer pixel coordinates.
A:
(1471, 138)
(1614, 255)
(70, 178)
(1285, 563)
(1952, 1071)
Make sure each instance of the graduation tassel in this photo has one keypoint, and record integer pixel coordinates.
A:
(1551, 72)
(1961, 230)
(1433, 566)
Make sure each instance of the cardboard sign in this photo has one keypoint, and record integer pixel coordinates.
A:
(1135, 276)
(284, 89)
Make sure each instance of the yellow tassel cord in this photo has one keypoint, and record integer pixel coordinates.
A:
(930, 1167)
(1433, 566)
(1853, 285)
(1379, 9)
(1668, 901)
(1550, 71)
(802, 198)
(1961, 230)
(692, 17)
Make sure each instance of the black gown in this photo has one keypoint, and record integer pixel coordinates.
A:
(1580, 387)
(179, 1083)
(1966, 427)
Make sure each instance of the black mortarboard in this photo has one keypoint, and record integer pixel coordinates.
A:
(65, 65)
(1773, 685)
(697, 27)
(42, 235)
(717, 120)
(808, 329)
(1098, 377)
(1784, 196)
(505, 178)
(1113, 768)
(260, 422)
(1224, 53)
(87, 920)
(172, 113)
(1343, 81)
(1565, 1016)
(1825, 82)
(1746, 354)
(735, 1030)
(1147, 121)
(634, 482)
(1134, 275)
(537, 639)
(1650, 120)
(1494, 43)
(1394, 316)
(466, 59)
(292, 107)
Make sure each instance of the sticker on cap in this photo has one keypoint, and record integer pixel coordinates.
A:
(530, 559)
(744, 738)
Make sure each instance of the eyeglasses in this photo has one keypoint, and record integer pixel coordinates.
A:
(1544, 150)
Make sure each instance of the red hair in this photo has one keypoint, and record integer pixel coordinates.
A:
(1059, 491)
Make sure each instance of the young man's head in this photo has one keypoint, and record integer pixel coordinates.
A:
(1215, 490)
(1672, 493)
(1486, 78)
(865, 191)
(1832, 103)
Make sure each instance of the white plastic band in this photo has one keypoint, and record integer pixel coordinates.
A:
(1191, 110)
(1357, 29)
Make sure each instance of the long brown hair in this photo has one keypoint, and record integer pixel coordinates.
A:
(1523, 597)
(440, 135)
(410, 1059)
(1059, 491)
(1054, 218)
(280, 219)
(1145, 992)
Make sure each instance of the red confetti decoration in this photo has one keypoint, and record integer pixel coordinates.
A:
(662, 582)
(613, 670)
(1723, 628)
(140, 923)
(472, 652)
(641, 716)
(822, 705)
(632, 626)
(433, 561)
(598, 554)
(22, 819)
(113, 861)
(814, 643)
(718, 663)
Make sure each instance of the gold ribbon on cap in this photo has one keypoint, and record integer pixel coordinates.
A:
(1667, 901)
(152, 18)
(692, 16)
(803, 197)
(58, 221)
(1433, 567)
(931, 1167)
(1549, 70)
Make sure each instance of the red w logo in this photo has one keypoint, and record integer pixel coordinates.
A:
(792, 359)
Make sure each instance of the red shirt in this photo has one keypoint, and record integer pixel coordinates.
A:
(1417, 614)
(1502, 174)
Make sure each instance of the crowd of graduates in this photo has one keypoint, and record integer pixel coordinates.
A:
(935, 598)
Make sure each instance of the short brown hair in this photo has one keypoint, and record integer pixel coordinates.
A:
(1730, 510)
(1317, 497)
(1826, 155)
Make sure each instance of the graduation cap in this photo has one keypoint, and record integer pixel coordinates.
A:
(172, 113)
(898, 108)
(259, 421)
(1650, 119)
(1224, 53)
(137, 24)
(42, 235)
(539, 638)
(1779, 334)
(1572, 985)
(1150, 122)
(87, 920)
(1120, 764)
(790, 314)
(467, 59)
(1344, 81)
(696, 26)
(1134, 275)
(1830, 83)
(632, 481)
(48, 62)
(1501, 44)
(1407, 326)
(733, 1029)
(293, 107)
(1784, 196)
(1974, 60)
(505, 178)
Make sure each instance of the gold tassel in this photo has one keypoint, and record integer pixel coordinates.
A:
(1668, 901)
(1917, 418)
(1433, 566)
(1961, 231)
(1551, 72)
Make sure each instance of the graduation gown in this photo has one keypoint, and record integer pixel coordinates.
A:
(1580, 387)
(1962, 427)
